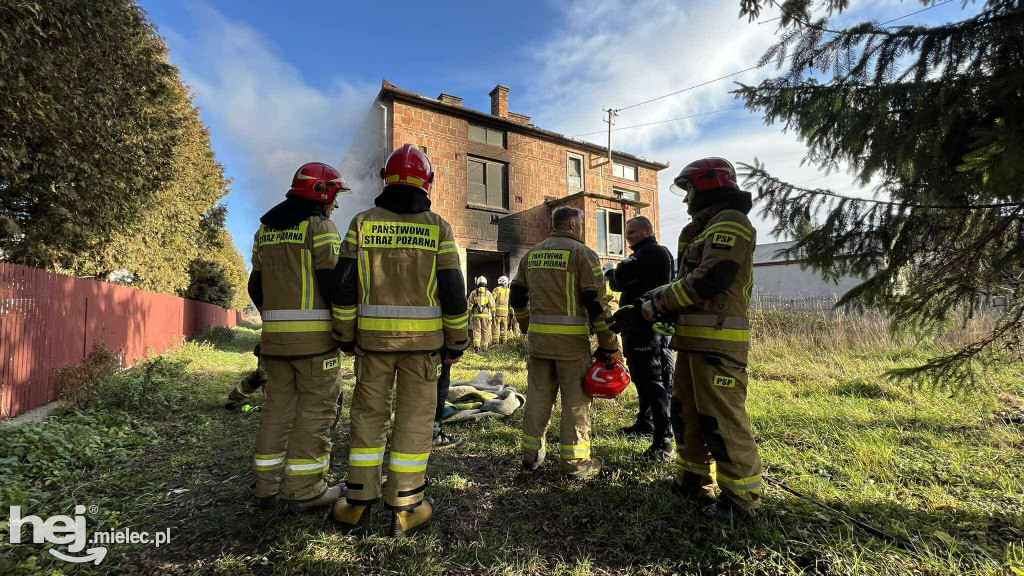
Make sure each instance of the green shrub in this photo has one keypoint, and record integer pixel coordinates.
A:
(217, 335)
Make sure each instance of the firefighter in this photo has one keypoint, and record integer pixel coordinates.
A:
(709, 300)
(403, 306)
(293, 284)
(481, 304)
(558, 294)
(500, 333)
(247, 385)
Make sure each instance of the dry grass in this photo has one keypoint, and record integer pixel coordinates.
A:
(941, 473)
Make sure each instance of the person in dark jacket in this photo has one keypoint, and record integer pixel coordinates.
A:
(441, 439)
(650, 360)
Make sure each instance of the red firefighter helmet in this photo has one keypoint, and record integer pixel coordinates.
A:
(408, 166)
(605, 379)
(318, 182)
(705, 174)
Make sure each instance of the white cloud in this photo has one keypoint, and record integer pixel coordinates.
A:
(272, 118)
(617, 53)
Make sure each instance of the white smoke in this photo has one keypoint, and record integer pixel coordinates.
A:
(361, 164)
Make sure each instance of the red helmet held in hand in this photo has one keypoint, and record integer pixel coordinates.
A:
(605, 379)
(318, 182)
(408, 166)
(705, 174)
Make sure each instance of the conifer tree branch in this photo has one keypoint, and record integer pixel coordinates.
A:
(752, 173)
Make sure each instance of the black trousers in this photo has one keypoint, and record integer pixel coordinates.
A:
(651, 366)
(443, 383)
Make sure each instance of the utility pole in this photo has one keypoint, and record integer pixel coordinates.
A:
(612, 113)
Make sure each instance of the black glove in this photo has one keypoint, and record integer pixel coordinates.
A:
(627, 319)
(256, 350)
(604, 355)
(650, 296)
(451, 356)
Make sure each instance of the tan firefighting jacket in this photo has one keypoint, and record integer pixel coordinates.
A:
(296, 318)
(481, 303)
(501, 302)
(398, 257)
(718, 325)
(566, 296)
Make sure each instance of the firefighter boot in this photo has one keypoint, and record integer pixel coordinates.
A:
(536, 462)
(329, 496)
(592, 469)
(352, 518)
(692, 491)
(727, 510)
(407, 522)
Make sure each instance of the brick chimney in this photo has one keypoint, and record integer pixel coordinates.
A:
(449, 99)
(499, 101)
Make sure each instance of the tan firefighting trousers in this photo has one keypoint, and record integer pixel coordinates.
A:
(481, 331)
(545, 378)
(500, 328)
(299, 407)
(709, 417)
(248, 384)
(415, 401)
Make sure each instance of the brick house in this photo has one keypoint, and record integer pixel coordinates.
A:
(498, 177)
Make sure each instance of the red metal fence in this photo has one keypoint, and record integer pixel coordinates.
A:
(49, 321)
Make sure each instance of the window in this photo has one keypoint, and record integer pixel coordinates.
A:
(487, 183)
(624, 194)
(487, 135)
(609, 233)
(574, 172)
(623, 171)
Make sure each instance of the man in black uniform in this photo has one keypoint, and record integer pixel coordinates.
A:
(650, 361)
(441, 439)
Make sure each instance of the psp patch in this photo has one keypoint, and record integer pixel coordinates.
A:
(336, 248)
(725, 381)
(330, 364)
(723, 241)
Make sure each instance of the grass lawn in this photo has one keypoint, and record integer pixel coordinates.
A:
(153, 448)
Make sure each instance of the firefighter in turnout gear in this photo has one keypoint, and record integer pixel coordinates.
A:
(481, 307)
(558, 294)
(293, 284)
(403, 305)
(247, 385)
(500, 333)
(712, 334)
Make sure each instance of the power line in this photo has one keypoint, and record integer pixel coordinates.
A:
(883, 24)
(830, 194)
(661, 121)
(918, 12)
(688, 88)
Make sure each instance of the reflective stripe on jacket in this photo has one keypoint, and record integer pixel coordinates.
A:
(556, 273)
(501, 301)
(398, 258)
(480, 303)
(296, 318)
(718, 324)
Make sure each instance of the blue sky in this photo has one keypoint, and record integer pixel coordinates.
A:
(282, 83)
